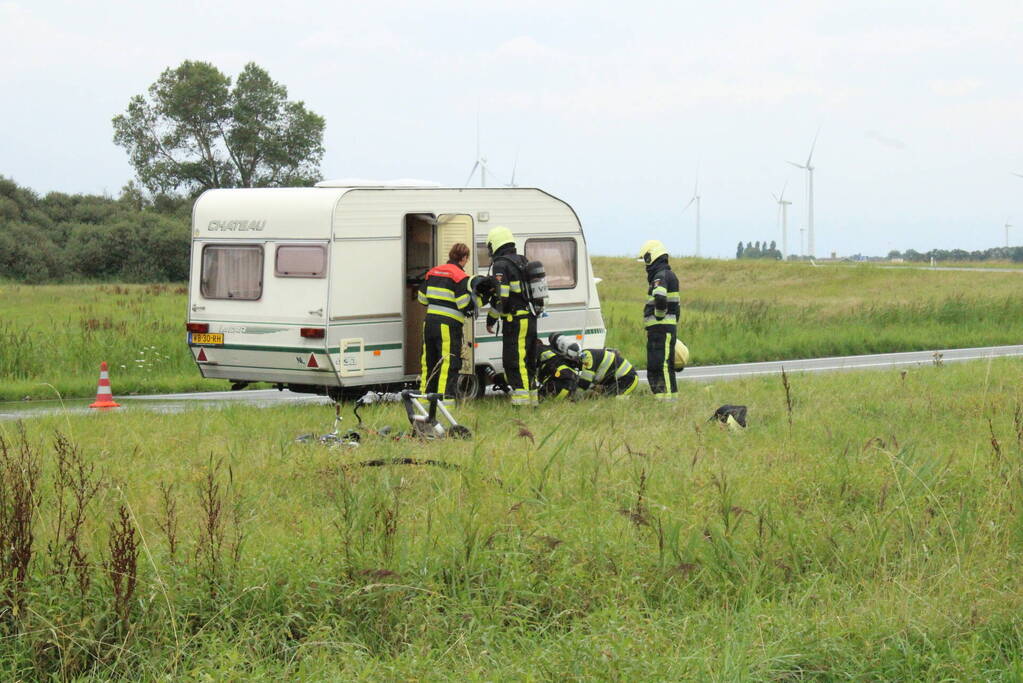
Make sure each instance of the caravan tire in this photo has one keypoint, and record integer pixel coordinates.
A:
(470, 386)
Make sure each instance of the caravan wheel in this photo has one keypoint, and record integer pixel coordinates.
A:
(469, 386)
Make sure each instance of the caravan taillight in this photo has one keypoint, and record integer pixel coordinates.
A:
(197, 327)
(312, 332)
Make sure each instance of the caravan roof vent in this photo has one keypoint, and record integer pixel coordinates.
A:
(364, 182)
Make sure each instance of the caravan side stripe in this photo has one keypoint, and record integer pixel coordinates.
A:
(296, 349)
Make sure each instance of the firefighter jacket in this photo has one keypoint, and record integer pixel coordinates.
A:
(602, 366)
(508, 270)
(445, 293)
(662, 305)
(555, 377)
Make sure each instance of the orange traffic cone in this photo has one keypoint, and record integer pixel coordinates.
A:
(104, 397)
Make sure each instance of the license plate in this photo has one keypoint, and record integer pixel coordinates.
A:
(203, 338)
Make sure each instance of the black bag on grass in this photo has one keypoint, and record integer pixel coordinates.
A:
(737, 413)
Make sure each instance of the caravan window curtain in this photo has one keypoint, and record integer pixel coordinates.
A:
(232, 272)
(559, 259)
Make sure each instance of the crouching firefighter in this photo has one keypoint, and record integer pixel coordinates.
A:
(554, 374)
(660, 318)
(604, 370)
(445, 293)
(511, 306)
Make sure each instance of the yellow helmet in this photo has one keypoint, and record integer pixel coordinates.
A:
(498, 237)
(651, 251)
(681, 355)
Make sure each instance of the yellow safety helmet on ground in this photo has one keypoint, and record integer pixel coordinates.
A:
(498, 237)
(681, 355)
(651, 251)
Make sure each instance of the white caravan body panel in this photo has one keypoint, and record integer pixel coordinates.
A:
(360, 298)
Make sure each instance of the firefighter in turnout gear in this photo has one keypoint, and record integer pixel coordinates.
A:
(556, 377)
(445, 293)
(518, 324)
(605, 370)
(660, 317)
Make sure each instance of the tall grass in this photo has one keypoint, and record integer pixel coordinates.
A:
(53, 338)
(864, 526)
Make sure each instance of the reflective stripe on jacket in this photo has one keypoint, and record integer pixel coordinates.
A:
(662, 304)
(445, 292)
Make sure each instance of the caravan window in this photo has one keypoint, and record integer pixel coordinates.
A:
(559, 258)
(482, 255)
(232, 271)
(301, 260)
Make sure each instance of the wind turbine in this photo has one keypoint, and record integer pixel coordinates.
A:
(696, 198)
(1018, 174)
(784, 205)
(481, 161)
(808, 167)
(1007, 226)
(511, 183)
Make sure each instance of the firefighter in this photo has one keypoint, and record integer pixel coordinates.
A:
(605, 370)
(511, 307)
(445, 293)
(554, 374)
(660, 317)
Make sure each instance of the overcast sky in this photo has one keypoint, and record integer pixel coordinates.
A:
(608, 105)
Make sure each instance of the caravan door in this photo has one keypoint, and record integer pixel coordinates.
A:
(453, 228)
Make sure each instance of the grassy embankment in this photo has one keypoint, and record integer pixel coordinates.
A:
(52, 338)
(734, 311)
(874, 531)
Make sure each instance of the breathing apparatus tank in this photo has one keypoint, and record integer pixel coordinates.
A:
(536, 281)
(565, 346)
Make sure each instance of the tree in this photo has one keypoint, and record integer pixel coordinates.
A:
(195, 132)
(738, 250)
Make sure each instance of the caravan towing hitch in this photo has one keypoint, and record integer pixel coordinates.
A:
(424, 421)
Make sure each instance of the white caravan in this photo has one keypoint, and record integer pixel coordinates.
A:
(314, 289)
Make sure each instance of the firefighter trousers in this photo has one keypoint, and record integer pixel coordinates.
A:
(518, 353)
(621, 386)
(442, 355)
(660, 361)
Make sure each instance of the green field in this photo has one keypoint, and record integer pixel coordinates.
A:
(53, 337)
(738, 311)
(874, 531)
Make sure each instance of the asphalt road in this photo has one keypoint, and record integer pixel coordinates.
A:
(172, 403)
(876, 361)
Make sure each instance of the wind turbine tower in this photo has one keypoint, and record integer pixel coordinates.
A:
(808, 167)
(784, 205)
(1007, 226)
(481, 161)
(696, 198)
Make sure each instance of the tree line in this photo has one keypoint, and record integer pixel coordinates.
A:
(758, 250)
(193, 130)
(993, 254)
(62, 237)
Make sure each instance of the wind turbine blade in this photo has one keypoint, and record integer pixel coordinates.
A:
(1017, 174)
(689, 204)
(472, 173)
(782, 195)
(515, 167)
(812, 146)
(776, 198)
(796, 165)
